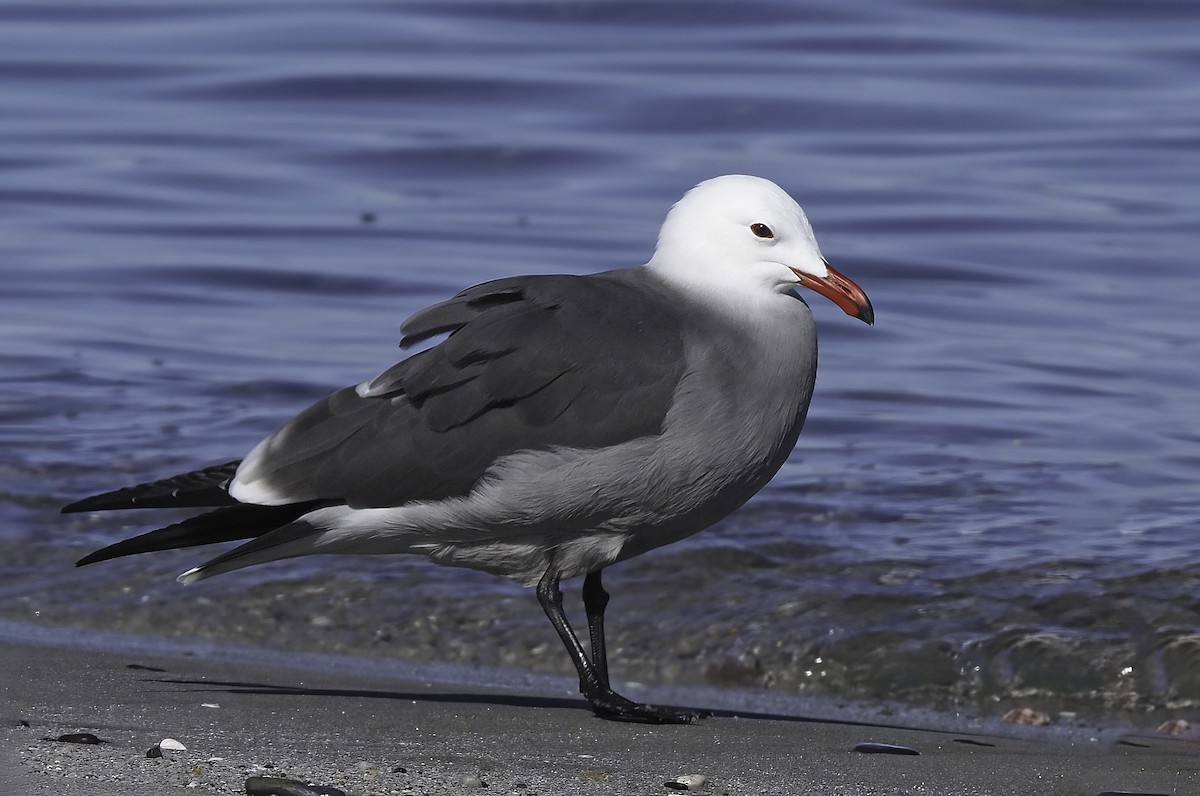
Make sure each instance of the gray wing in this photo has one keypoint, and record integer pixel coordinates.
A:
(530, 362)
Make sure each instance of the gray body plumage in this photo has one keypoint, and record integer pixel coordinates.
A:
(565, 422)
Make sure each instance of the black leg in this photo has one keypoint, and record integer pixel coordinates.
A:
(605, 702)
(595, 600)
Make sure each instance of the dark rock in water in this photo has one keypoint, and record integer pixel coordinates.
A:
(154, 751)
(672, 785)
(279, 786)
(872, 748)
(78, 737)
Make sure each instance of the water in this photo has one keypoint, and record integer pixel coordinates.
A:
(215, 213)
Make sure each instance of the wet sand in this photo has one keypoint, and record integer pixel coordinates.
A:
(377, 733)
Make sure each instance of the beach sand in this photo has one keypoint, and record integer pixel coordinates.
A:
(368, 732)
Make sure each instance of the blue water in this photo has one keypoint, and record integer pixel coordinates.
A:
(212, 214)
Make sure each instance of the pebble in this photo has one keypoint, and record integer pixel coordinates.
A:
(692, 781)
(1174, 727)
(472, 782)
(165, 747)
(872, 748)
(279, 786)
(1029, 716)
(139, 667)
(78, 737)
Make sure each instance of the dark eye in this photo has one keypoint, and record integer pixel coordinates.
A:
(762, 230)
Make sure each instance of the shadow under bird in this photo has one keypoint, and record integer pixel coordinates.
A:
(563, 424)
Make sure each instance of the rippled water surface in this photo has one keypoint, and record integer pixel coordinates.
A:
(215, 213)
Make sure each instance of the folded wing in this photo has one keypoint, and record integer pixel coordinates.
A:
(530, 362)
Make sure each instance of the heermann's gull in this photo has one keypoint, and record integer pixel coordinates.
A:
(564, 424)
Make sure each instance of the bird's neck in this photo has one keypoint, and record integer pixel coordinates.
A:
(712, 289)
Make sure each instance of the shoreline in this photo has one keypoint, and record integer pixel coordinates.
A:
(382, 729)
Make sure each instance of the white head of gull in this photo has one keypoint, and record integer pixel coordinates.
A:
(564, 424)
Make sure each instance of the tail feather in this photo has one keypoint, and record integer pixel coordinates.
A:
(287, 541)
(197, 489)
(241, 521)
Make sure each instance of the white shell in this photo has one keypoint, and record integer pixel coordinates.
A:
(693, 781)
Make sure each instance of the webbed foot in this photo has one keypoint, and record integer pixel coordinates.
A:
(615, 707)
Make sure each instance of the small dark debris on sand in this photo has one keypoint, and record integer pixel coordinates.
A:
(78, 737)
(872, 748)
(280, 786)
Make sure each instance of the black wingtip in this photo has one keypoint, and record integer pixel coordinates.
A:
(228, 524)
(203, 488)
(92, 558)
(78, 506)
(126, 547)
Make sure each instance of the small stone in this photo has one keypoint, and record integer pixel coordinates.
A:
(165, 748)
(872, 748)
(1027, 716)
(973, 742)
(692, 781)
(209, 705)
(472, 782)
(280, 786)
(673, 785)
(1174, 727)
(399, 770)
(78, 737)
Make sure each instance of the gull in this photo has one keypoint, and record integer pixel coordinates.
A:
(561, 424)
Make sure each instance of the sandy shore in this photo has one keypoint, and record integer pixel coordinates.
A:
(374, 732)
